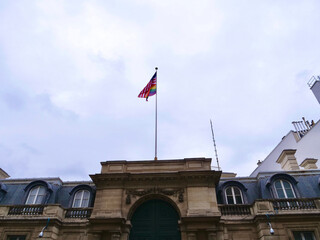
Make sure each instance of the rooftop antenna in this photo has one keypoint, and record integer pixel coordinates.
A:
(214, 144)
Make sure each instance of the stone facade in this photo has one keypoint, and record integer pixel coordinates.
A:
(189, 185)
(197, 193)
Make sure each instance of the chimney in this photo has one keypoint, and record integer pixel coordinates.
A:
(309, 163)
(302, 128)
(288, 161)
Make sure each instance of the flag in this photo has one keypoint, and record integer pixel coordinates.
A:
(150, 89)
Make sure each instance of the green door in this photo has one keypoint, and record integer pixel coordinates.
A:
(155, 220)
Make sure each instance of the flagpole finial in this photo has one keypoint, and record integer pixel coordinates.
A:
(156, 68)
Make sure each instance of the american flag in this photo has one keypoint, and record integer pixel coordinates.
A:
(150, 89)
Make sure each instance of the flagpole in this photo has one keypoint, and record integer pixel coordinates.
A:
(156, 120)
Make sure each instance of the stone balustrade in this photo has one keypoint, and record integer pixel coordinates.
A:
(294, 204)
(235, 209)
(44, 211)
(78, 212)
(259, 207)
(271, 206)
(26, 210)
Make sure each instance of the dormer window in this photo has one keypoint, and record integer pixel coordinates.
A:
(81, 196)
(81, 199)
(233, 195)
(36, 195)
(232, 192)
(282, 185)
(284, 189)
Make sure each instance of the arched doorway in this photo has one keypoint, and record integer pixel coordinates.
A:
(155, 220)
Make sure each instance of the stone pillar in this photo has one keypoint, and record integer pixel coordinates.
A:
(287, 160)
(115, 236)
(184, 235)
(262, 207)
(124, 236)
(126, 231)
(220, 235)
(212, 236)
(191, 236)
(92, 236)
(317, 202)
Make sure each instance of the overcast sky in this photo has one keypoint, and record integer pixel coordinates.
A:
(71, 72)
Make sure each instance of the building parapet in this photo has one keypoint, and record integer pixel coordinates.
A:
(186, 164)
(43, 211)
(270, 207)
(233, 211)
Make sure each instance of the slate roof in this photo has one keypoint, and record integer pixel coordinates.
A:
(12, 192)
(308, 185)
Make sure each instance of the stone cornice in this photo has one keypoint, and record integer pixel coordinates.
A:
(162, 162)
(187, 178)
(163, 166)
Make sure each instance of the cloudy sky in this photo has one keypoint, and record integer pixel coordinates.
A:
(71, 72)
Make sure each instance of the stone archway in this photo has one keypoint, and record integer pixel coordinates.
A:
(155, 219)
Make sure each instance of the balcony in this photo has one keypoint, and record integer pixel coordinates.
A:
(259, 207)
(235, 209)
(294, 204)
(26, 210)
(271, 206)
(78, 213)
(44, 211)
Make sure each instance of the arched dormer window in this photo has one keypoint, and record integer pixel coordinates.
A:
(81, 196)
(37, 192)
(81, 199)
(36, 195)
(232, 192)
(284, 189)
(233, 195)
(283, 186)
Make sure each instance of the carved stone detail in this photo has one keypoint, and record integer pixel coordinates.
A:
(139, 192)
(128, 199)
(181, 199)
(176, 192)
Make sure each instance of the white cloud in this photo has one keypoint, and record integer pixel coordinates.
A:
(72, 70)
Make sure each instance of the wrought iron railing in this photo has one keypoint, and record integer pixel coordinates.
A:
(78, 213)
(293, 204)
(26, 210)
(236, 209)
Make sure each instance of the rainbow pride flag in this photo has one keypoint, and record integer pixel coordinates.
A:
(150, 89)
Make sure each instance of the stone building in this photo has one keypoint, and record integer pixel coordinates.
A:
(165, 199)
(172, 200)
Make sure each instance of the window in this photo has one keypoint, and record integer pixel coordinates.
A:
(16, 237)
(284, 189)
(81, 199)
(234, 195)
(283, 186)
(306, 235)
(36, 195)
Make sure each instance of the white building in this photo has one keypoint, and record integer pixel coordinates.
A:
(304, 144)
